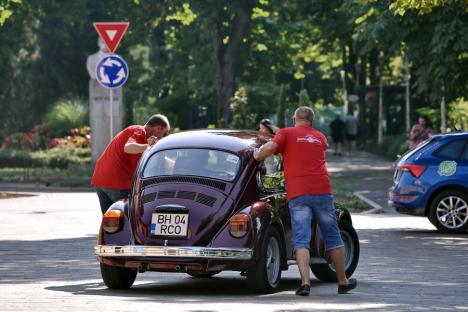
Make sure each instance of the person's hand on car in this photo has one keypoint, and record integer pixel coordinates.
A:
(152, 140)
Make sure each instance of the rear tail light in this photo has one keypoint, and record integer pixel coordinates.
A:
(239, 225)
(415, 170)
(112, 221)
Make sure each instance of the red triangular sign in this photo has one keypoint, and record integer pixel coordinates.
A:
(111, 33)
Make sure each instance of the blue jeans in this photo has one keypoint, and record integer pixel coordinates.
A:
(107, 197)
(306, 207)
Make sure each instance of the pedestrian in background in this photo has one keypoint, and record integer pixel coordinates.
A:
(419, 132)
(309, 194)
(351, 131)
(267, 127)
(114, 170)
(337, 127)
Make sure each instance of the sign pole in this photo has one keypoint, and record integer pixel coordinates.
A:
(111, 108)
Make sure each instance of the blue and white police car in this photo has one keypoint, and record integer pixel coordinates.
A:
(432, 180)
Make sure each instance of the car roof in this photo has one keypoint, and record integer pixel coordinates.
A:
(452, 135)
(221, 139)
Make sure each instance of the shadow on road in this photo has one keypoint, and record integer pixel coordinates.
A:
(434, 266)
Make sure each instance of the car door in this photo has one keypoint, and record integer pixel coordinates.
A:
(273, 186)
(464, 161)
(451, 161)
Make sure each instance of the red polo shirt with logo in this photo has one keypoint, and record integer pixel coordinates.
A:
(114, 169)
(304, 150)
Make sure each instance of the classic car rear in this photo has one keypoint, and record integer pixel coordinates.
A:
(201, 204)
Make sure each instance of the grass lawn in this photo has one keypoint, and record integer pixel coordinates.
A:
(80, 176)
(343, 197)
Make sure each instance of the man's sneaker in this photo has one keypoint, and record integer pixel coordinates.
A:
(343, 289)
(304, 290)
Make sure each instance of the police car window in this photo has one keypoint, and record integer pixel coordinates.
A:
(465, 151)
(451, 150)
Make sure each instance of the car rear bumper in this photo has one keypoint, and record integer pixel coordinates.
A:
(173, 252)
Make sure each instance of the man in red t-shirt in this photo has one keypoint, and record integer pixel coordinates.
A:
(114, 169)
(309, 194)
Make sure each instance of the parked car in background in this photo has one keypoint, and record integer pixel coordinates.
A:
(432, 180)
(201, 204)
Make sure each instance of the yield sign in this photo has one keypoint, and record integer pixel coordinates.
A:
(111, 33)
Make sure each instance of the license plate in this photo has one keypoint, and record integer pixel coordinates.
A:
(169, 224)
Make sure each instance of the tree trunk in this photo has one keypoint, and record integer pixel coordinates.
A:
(227, 58)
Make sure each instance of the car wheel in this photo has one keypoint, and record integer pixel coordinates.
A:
(325, 271)
(201, 274)
(265, 275)
(117, 277)
(448, 211)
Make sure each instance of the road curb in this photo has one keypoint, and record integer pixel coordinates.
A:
(376, 208)
(32, 187)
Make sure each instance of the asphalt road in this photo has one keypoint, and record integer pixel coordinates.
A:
(47, 264)
(365, 173)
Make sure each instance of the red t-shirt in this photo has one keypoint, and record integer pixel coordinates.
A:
(114, 169)
(304, 149)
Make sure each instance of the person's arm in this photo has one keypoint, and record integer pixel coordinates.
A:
(414, 134)
(135, 148)
(265, 150)
(138, 148)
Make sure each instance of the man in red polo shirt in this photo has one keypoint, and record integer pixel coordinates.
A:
(114, 169)
(309, 194)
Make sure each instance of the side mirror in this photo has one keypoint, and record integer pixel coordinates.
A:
(280, 166)
(262, 169)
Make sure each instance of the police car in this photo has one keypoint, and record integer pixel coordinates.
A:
(432, 180)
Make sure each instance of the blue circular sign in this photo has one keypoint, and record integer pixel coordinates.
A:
(112, 71)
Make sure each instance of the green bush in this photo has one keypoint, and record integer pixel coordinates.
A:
(16, 158)
(67, 114)
(391, 147)
(62, 157)
(241, 116)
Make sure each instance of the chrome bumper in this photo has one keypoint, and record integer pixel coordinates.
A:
(174, 252)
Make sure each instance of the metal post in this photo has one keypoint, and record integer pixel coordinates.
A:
(345, 92)
(408, 112)
(380, 112)
(111, 113)
(443, 120)
(380, 122)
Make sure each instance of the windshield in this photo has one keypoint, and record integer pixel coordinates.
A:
(195, 162)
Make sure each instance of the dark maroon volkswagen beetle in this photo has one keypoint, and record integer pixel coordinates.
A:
(201, 204)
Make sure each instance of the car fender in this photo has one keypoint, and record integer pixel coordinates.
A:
(262, 215)
(124, 235)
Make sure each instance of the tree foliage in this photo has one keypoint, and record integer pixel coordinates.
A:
(187, 58)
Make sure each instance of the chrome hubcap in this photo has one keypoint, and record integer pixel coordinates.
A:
(452, 212)
(273, 261)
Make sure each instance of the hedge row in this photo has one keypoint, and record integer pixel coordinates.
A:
(58, 157)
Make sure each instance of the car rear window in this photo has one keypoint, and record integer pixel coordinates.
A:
(419, 147)
(194, 162)
(451, 150)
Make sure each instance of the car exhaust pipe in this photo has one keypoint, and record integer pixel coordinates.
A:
(177, 268)
(142, 268)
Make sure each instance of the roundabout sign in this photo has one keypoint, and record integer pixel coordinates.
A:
(112, 71)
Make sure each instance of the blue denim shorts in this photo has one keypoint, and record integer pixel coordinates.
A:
(306, 207)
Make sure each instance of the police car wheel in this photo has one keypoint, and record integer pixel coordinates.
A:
(448, 212)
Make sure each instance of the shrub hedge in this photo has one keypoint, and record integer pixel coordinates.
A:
(57, 157)
(391, 147)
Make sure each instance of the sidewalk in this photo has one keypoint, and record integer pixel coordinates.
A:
(367, 174)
